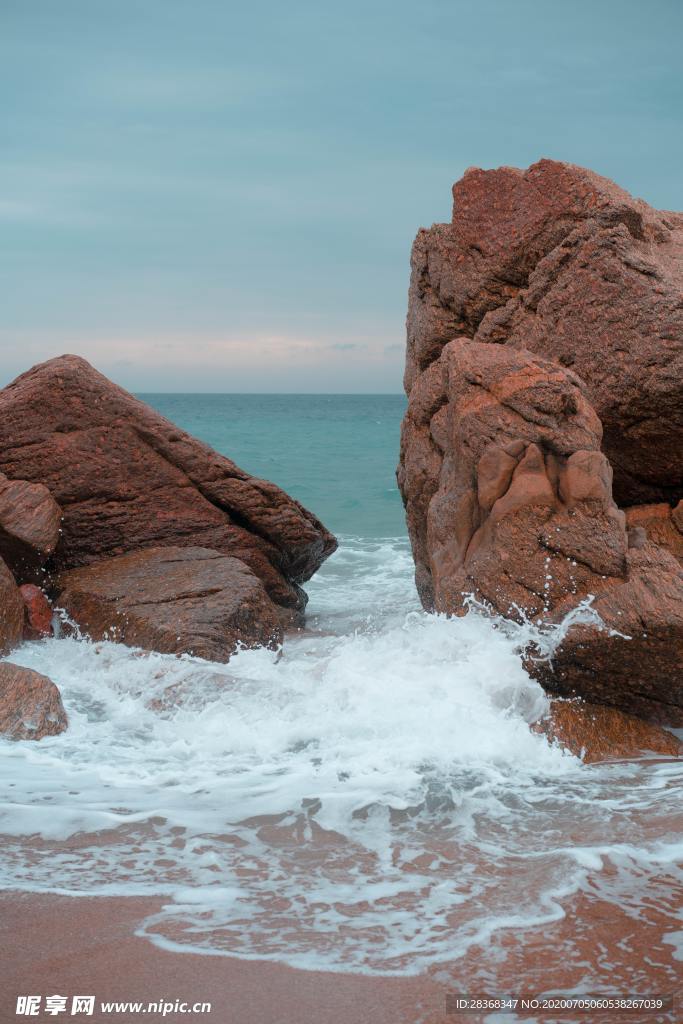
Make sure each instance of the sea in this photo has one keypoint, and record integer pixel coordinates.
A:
(368, 799)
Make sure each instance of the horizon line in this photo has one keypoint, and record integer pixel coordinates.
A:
(292, 394)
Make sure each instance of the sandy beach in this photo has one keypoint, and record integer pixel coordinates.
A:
(54, 944)
(69, 946)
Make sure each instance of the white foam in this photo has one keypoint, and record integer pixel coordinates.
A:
(369, 798)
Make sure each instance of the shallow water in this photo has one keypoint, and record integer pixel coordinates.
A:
(371, 798)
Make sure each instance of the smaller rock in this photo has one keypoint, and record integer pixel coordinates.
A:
(172, 600)
(30, 704)
(596, 733)
(29, 526)
(37, 612)
(11, 611)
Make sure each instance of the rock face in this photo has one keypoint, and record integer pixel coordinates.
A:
(596, 733)
(635, 661)
(659, 523)
(544, 371)
(11, 611)
(563, 263)
(507, 493)
(126, 479)
(172, 600)
(29, 526)
(30, 704)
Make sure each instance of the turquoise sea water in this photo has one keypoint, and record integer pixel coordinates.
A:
(336, 454)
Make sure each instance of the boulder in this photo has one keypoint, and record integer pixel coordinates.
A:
(563, 263)
(37, 612)
(29, 526)
(30, 704)
(596, 733)
(11, 611)
(173, 600)
(127, 479)
(544, 373)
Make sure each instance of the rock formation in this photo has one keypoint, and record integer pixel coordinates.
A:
(544, 370)
(127, 480)
(172, 600)
(30, 704)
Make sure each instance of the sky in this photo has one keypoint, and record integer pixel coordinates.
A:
(221, 196)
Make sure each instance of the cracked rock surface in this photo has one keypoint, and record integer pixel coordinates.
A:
(544, 370)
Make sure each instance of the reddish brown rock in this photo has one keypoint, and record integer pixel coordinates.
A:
(551, 308)
(11, 611)
(30, 704)
(29, 526)
(596, 733)
(127, 479)
(37, 612)
(508, 499)
(562, 262)
(172, 600)
(507, 494)
(635, 660)
(659, 523)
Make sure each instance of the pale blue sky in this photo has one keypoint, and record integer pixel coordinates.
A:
(219, 196)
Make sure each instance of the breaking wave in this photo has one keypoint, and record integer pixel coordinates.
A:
(370, 798)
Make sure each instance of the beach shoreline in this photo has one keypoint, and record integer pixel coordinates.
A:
(70, 946)
(87, 946)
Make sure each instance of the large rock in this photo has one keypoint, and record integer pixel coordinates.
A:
(562, 262)
(11, 611)
(29, 526)
(596, 733)
(172, 600)
(549, 309)
(507, 494)
(30, 704)
(127, 479)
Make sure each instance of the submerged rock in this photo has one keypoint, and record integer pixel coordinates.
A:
(30, 704)
(596, 733)
(127, 479)
(11, 611)
(548, 310)
(173, 600)
(29, 526)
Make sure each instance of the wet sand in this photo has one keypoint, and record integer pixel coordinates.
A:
(67, 945)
